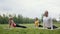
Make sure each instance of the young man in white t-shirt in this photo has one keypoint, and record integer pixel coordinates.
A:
(47, 22)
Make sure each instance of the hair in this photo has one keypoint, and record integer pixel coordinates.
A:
(36, 19)
(11, 19)
(45, 13)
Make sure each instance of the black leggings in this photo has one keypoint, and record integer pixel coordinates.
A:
(40, 26)
(54, 27)
(20, 26)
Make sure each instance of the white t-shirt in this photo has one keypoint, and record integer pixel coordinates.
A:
(47, 22)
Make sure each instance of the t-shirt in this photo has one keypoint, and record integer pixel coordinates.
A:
(47, 22)
(37, 22)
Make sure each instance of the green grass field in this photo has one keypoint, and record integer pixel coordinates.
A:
(30, 30)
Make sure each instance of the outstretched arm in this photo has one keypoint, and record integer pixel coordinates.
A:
(9, 24)
(43, 25)
(51, 24)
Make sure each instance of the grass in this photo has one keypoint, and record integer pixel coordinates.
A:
(30, 30)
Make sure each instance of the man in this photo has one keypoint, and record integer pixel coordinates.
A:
(47, 22)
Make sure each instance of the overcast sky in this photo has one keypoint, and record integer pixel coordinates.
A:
(30, 8)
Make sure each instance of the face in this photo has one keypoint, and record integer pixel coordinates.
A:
(11, 18)
(36, 19)
(46, 13)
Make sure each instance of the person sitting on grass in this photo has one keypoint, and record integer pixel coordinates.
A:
(13, 24)
(37, 22)
(47, 22)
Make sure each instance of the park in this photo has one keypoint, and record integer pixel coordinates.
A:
(29, 16)
(31, 29)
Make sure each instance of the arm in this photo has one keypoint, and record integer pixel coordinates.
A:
(43, 25)
(9, 24)
(38, 22)
(12, 22)
(51, 24)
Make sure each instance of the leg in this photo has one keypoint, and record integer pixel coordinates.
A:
(21, 26)
(40, 26)
(49, 27)
(54, 27)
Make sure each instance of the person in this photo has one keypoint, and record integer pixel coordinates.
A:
(37, 22)
(47, 21)
(13, 24)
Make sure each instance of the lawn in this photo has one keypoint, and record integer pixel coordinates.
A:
(30, 30)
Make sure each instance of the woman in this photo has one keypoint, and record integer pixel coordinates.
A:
(13, 24)
(37, 22)
(47, 22)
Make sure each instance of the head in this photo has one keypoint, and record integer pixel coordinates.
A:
(10, 15)
(36, 19)
(46, 13)
(11, 19)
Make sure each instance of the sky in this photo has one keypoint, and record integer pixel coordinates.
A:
(30, 8)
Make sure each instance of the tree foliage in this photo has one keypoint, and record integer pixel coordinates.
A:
(17, 19)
